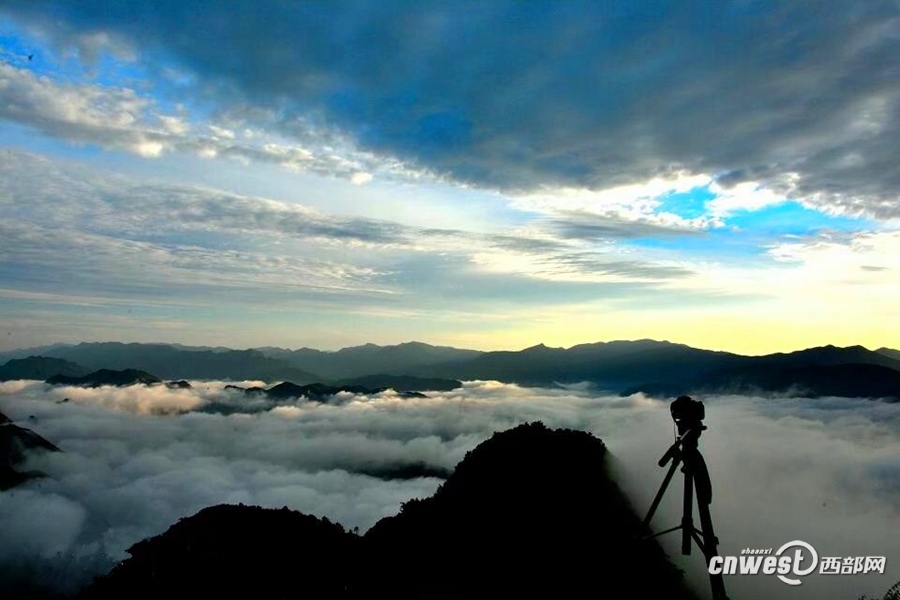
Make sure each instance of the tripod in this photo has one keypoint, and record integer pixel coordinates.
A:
(685, 450)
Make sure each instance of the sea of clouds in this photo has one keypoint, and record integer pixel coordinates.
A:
(136, 459)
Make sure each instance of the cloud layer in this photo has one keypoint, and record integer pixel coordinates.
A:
(188, 242)
(123, 118)
(824, 471)
(521, 97)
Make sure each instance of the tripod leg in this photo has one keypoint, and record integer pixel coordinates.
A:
(662, 489)
(711, 549)
(687, 517)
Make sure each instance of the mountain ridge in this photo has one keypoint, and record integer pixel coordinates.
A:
(39, 367)
(619, 366)
(512, 520)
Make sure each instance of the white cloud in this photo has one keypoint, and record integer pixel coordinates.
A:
(242, 241)
(120, 118)
(824, 471)
(360, 178)
(633, 202)
(272, 255)
(81, 113)
(745, 196)
(149, 149)
(174, 124)
(840, 255)
(859, 269)
(221, 132)
(137, 399)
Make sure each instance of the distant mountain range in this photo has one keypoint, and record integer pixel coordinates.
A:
(624, 367)
(268, 364)
(411, 358)
(171, 362)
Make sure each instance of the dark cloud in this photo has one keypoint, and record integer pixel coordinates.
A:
(523, 95)
(592, 227)
(588, 262)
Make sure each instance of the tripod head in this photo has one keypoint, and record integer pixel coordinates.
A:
(688, 415)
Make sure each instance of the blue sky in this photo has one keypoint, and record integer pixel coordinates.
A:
(481, 175)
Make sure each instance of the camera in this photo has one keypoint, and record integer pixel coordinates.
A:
(688, 414)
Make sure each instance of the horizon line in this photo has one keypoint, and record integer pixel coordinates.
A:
(411, 342)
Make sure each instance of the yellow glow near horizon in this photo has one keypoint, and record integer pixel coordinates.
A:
(749, 334)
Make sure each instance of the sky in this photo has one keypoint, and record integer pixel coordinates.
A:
(483, 175)
(824, 471)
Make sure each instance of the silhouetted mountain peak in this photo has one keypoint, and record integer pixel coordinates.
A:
(238, 552)
(539, 348)
(287, 389)
(368, 347)
(532, 450)
(642, 344)
(181, 384)
(542, 500)
(530, 512)
(414, 344)
(15, 444)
